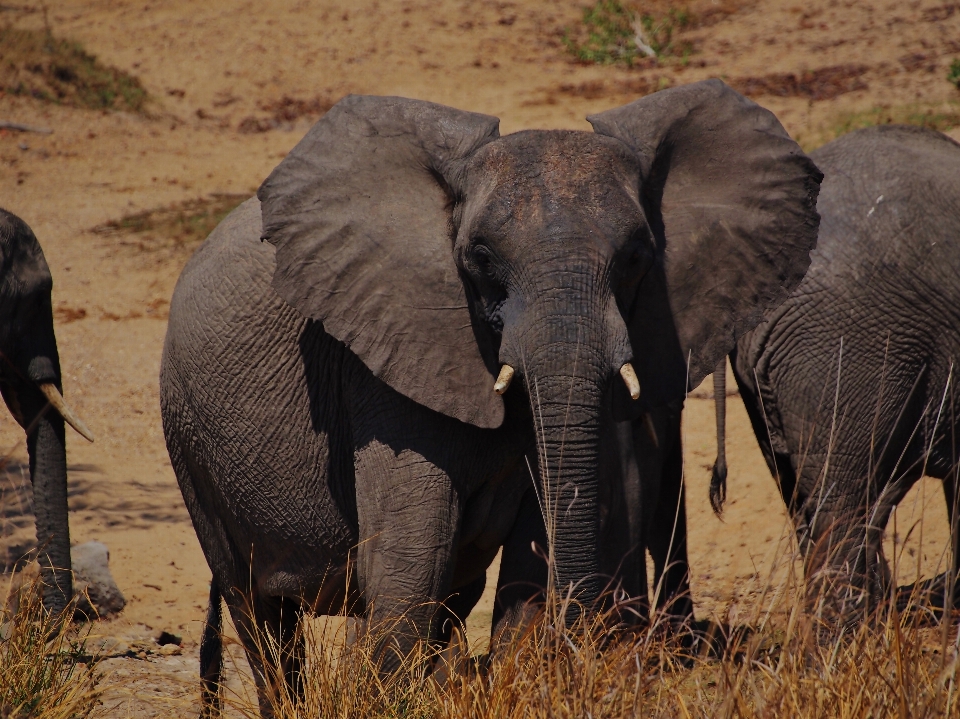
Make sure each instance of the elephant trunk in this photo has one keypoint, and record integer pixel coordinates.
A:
(567, 412)
(569, 356)
(46, 444)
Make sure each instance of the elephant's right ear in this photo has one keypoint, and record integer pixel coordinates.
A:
(360, 212)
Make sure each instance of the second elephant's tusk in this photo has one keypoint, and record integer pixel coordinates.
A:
(630, 379)
(56, 401)
(503, 380)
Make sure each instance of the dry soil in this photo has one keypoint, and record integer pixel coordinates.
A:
(236, 83)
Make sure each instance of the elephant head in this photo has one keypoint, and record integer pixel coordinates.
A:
(446, 256)
(30, 385)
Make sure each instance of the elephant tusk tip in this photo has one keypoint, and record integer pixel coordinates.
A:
(503, 379)
(630, 380)
(56, 401)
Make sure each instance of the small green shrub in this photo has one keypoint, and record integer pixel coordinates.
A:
(615, 33)
(953, 76)
(609, 30)
(37, 64)
(659, 33)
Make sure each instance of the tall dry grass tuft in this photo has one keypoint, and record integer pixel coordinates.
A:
(44, 669)
(897, 664)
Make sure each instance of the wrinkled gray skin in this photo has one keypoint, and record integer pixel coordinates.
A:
(327, 395)
(28, 358)
(883, 287)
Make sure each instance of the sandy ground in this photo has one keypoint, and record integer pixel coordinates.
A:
(211, 65)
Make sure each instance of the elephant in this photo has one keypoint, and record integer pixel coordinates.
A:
(849, 384)
(411, 348)
(31, 386)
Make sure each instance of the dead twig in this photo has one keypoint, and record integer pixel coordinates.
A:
(5, 125)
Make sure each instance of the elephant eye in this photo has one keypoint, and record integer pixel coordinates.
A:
(483, 259)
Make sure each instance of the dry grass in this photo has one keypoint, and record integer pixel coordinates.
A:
(37, 64)
(44, 669)
(941, 117)
(895, 666)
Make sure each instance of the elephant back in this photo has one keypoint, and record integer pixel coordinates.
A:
(890, 209)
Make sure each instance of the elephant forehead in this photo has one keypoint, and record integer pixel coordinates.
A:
(539, 175)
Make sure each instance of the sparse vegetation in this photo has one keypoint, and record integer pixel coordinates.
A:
(895, 667)
(175, 230)
(933, 118)
(953, 76)
(37, 64)
(940, 117)
(44, 669)
(613, 32)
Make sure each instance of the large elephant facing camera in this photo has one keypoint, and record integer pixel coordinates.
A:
(353, 407)
(30, 386)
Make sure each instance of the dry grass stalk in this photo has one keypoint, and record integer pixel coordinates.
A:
(44, 669)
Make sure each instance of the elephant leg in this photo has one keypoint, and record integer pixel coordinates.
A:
(453, 612)
(451, 621)
(211, 656)
(847, 575)
(408, 516)
(269, 629)
(521, 586)
(623, 549)
(952, 498)
(666, 519)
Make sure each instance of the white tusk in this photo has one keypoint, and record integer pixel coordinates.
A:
(630, 379)
(56, 401)
(503, 381)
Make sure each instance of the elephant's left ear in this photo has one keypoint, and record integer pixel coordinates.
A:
(731, 201)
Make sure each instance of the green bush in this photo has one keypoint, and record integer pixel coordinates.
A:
(954, 75)
(610, 29)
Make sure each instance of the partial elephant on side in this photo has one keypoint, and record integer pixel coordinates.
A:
(354, 407)
(851, 384)
(31, 388)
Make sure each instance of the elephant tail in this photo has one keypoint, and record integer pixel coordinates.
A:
(211, 656)
(718, 481)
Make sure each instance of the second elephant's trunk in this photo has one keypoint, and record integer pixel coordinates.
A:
(46, 445)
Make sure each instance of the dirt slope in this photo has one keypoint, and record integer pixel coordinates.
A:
(219, 70)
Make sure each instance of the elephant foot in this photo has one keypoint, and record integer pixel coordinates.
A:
(926, 600)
